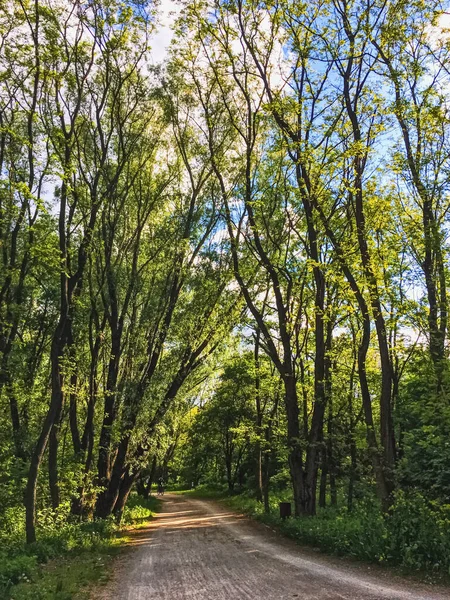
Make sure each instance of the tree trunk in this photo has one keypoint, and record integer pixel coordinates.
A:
(78, 506)
(268, 452)
(387, 459)
(124, 492)
(380, 474)
(6, 384)
(323, 481)
(435, 280)
(107, 499)
(53, 477)
(229, 470)
(382, 487)
(333, 487)
(30, 493)
(331, 461)
(259, 417)
(54, 413)
(73, 417)
(109, 413)
(352, 477)
(315, 435)
(266, 480)
(433, 264)
(58, 394)
(151, 479)
(295, 456)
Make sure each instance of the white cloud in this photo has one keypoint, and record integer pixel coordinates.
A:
(167, 14)
(440, 32)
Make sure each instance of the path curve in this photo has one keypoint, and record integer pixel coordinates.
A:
(199, 550)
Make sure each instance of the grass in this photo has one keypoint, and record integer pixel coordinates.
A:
(68, 578)
(67, 561)
(206, 492)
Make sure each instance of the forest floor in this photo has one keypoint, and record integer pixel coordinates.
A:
(197, 549)
(64, 564)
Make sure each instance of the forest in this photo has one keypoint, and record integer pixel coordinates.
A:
(229, 269)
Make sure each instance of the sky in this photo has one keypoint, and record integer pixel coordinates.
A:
(161, 39)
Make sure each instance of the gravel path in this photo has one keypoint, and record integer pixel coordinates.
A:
(197, 549)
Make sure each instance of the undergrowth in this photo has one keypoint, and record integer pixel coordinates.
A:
(414, 536)
(77, 553)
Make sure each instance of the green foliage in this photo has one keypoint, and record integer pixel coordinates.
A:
(17, 569)
(220, 437)
(221, 431)
(415, 535)
(20, 562)
(419, 533)
(138, 509)
(84, 548)
(424, 419)
(69, 577)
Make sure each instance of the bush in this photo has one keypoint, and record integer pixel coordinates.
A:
(415, 535)
(419, 533)
(361, 534)
(15, 570)
(138, 509)
(58, 536)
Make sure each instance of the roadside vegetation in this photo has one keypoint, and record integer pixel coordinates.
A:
(68, 558)
(414, 537)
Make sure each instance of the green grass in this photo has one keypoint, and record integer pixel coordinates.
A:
(205, 492)
(68, 558)
(68, 578)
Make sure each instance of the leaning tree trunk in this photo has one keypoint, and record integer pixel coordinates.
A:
(107, 499)
(357, 195)
(124, 491)
(54, 412)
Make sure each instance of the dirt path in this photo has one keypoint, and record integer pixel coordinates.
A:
(198, 550)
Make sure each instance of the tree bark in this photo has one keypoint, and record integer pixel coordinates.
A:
(124, 492)
(259, 418)
(315, 435)
(151, 478)
(30, 492)
(73, 416)
(323, 481)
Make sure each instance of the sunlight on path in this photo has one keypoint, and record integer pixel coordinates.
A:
(198, 550)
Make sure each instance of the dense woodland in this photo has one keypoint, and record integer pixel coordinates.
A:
(227, 269)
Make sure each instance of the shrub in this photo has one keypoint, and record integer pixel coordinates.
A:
(17, 569)
(419, 533)
(138, 509)
(415, 535)
(58, 536)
